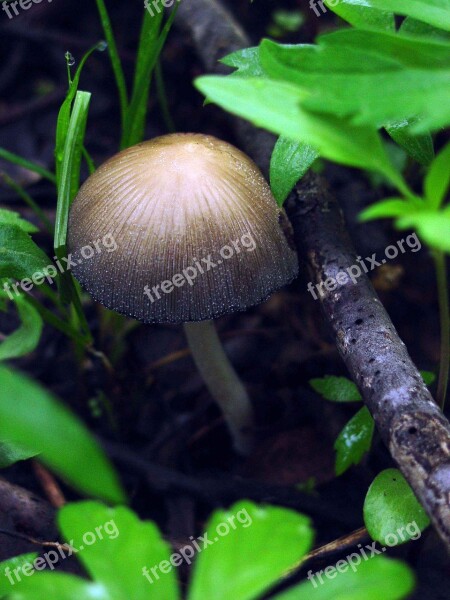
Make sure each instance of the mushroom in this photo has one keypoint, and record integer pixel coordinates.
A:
(198, 235)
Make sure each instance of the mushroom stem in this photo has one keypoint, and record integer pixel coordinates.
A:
(222, 381)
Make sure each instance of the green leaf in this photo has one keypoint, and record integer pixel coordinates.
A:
(9, 217)
(24, 339)
(412, 26)
(390, 207)
(275, 105)
(45, 586)
(246, 61)
(289, 162)
(392, 513)
(12, 453)
(116, 562)
(12, 563)
(354, 440)
(114, 547)
(432, 227)
(433, 12)
(32, 418)
(437, 180)
(336, 389)
(417, 146)
(378, 578)
(344, 74)
(428, 377)
(250, 556)
(288, 20)
(363, 15)
(20, 257)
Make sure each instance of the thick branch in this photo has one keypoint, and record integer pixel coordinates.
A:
(410, 423)
(28, 512)
(408, 419)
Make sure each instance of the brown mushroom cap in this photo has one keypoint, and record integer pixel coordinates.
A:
(172, 203)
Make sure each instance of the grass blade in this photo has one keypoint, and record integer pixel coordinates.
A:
(148, 55)
(70, 165)
(18, 189)
(27, 164)
(115, 59)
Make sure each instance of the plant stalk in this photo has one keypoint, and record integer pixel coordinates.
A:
(222, 382)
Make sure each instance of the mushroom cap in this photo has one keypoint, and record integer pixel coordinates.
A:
(194, 223)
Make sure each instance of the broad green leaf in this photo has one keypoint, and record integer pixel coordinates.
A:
(354, 440)
(6, 566)
(246, 61)
(24, 339)
(346, 71)
(336, 389)
(390, 207)
(128, 545)
(392, 513)
(275, 106)
(20, 257)
(432, 227)
(356, 578)
(437, 179)
(289, 162)
(417, 146)
(412, 26)
(12, 453)
(48, 586)
(32, 418)
(362, 15)
(433, 12)
(252, 547)
(9, 217)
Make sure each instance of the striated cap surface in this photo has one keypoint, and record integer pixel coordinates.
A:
(183, 227)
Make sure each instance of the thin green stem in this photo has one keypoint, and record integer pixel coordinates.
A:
(27, 164)
(18, 189)
(162, 98)
(58, 323)
(115, 60)
(443, 296)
